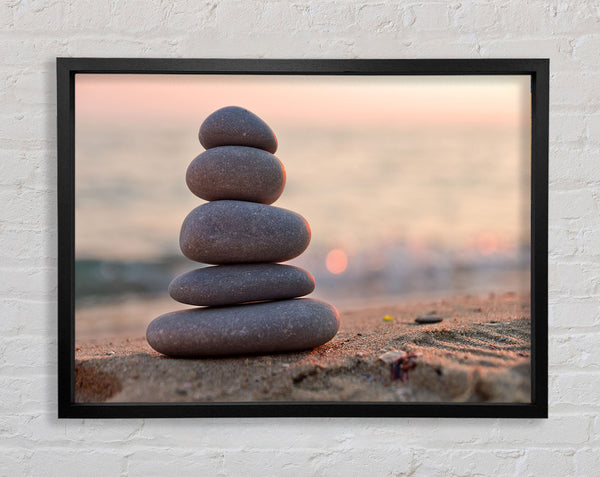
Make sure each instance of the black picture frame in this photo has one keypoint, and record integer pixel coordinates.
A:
(67, 68)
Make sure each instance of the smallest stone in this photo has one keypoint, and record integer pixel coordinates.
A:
(427, 320)
(235, 126)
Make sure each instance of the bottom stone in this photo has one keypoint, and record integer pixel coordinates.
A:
(271, 327)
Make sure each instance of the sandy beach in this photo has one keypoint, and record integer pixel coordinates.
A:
(479, 352)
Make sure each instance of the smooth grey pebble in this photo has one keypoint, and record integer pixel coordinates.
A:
(232, 231)
(270, 327)
(236, 173)
(425, 320)
(235, 126)
(234, 284)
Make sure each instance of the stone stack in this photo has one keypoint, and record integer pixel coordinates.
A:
(247, 302)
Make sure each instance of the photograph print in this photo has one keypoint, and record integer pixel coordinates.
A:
(244, 238)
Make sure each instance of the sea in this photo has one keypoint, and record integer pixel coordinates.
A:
(395, 213)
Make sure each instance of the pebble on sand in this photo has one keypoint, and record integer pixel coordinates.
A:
(426, 320)
(270, 327)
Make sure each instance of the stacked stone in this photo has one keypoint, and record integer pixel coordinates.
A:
(247, 302)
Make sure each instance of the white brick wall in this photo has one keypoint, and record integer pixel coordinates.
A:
(34, 442)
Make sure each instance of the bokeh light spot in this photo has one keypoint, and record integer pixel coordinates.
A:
(336, 261)
(487, 243)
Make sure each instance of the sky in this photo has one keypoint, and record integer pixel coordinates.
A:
(368, 159)
(291, 99)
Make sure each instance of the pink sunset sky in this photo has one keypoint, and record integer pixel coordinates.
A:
(298, 100)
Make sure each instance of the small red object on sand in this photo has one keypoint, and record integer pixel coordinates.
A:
(399, 368)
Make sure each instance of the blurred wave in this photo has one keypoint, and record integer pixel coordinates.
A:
(386, 275)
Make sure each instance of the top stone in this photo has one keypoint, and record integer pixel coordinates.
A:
(235, 126)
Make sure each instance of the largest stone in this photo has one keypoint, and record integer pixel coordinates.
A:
(271, 327)
(232, 231)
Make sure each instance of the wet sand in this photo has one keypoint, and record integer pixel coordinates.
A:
(480, 352)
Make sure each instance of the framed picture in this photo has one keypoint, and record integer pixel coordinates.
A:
(302, 237)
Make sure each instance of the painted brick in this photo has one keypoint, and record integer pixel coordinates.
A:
(575, 388)
(34, 33)
(548, 462)
(17, 313)
(188, 462)
(462, 47)
(587, 356)
(587, 461)
(432, 16)
(563, 92)
(379, 17)
(593, 128)
(565, 241)
(44, 15)
(476, 16)
(27, 283)
(332, 16)
(574, 204)
(27, 354)
(574, 430)
(466, 462)
(15, 462)
(22, 395)
(89, 15)
(137, 16)
(573, 313)
(568, 127)
(78, 432)
(322, 462)
(595, 431)
(573, 167)
(558, 49)
(576, 279)
(585, 49)
(64, 462)
(591, 241)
